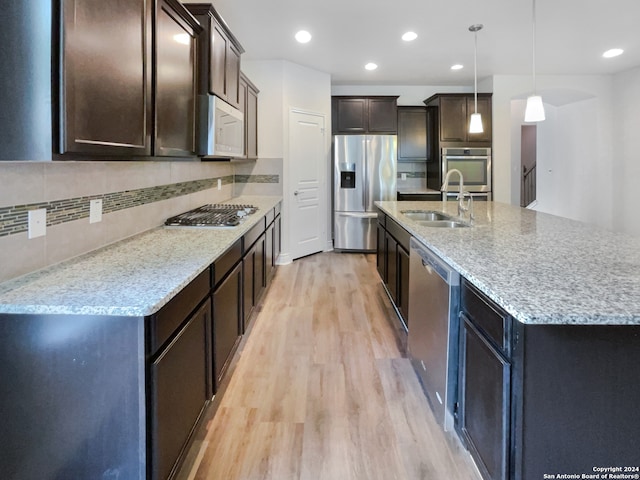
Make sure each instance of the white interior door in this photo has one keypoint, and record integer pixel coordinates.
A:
(307, 164)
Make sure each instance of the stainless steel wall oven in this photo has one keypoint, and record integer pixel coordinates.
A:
(475, 165)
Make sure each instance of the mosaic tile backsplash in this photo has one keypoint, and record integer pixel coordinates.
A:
(13, 219)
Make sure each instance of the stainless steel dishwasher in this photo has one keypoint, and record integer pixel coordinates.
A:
(434, 296)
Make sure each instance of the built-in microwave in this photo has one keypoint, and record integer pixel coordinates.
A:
(220, 128)
(475, 165)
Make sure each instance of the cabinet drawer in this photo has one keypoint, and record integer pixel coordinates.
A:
(399, 233)
(164, 323)
(225, 263)
(382, 219)
(277, 208)
(252, 235)
(486, 315)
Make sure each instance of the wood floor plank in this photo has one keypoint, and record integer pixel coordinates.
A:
(322, 389)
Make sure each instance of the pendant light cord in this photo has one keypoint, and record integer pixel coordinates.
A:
(475, 71)
(534, 45)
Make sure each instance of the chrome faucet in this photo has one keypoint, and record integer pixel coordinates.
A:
(462, 208)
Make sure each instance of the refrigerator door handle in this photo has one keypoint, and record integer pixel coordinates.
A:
(358, 214)
(365, 172)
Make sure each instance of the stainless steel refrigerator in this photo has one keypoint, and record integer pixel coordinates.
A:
(364, 172)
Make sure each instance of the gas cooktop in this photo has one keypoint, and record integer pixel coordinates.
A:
(219, 215)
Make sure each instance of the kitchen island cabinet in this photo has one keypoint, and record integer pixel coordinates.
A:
(483, 417)
(392, 257)
(548, 369)
(111, 357)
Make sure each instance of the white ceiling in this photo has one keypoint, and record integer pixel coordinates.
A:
(571, 37)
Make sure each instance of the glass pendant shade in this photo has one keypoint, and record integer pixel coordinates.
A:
(535, 110)
(475, 124)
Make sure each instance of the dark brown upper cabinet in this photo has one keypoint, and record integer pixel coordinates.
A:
(454, 112)
(249, 106)
(412, 134)
(175, 80)
(361, 115)
(108, 103)
(105, 84)
(219, 56)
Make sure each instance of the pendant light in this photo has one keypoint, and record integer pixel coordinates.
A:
(534, 112)
(475, 123)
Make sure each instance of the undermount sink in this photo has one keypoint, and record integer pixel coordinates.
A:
(444, 223)
(427, 215)
(432, 218)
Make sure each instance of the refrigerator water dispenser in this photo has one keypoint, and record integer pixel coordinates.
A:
(347, 179)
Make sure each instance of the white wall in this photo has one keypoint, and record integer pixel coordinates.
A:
(626, 177)
(284, 85)
(575, 143)
(268, 77)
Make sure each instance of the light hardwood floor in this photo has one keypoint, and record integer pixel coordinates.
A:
(323, 391)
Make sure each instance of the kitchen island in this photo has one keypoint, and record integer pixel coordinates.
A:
(108, 359)
(555, 391)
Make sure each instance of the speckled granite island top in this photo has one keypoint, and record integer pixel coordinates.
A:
(134, 277)
(540, 268)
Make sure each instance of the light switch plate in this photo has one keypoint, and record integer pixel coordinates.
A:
(95, 211)
(219, 184)
(403, 176)
(37, 223)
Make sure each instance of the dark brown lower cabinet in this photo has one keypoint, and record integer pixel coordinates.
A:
(259, 266)
(392, 258)
(381, 253)
(403, 283)
(254, 270)
(269, 259)
(247, 290)
(179, 393)
(392, 267)
(538, 399)
(486, 402)
(226, 321)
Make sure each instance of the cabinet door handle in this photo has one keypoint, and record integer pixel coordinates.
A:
(296, 193)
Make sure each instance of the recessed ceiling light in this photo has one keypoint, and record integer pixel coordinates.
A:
(303, 36)
(409, 36)
(614, 52)
(371, 66)
(457, 66)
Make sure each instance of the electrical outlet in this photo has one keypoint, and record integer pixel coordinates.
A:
(95, 211)
(37, 223)
(219, 184)
(403, 176)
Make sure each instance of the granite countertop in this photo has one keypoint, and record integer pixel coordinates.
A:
(134, 277)
(540, 268)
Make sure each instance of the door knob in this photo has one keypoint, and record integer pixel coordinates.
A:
(296, 192)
